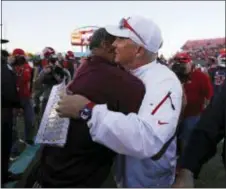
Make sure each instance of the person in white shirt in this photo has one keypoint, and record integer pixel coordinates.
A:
(140, 137)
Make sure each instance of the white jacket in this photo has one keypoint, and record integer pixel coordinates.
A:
(142, 135)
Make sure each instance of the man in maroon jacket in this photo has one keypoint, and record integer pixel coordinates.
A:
(82, 162)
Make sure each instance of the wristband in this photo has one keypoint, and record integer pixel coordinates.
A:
(86, 112)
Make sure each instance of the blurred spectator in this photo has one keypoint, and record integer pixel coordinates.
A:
(202, 49)
(48, 58)
(10, 100)
(52, 74)
(70, 62)
(218, 74)
(202, 146)
(60, 58)
(24, 81)
(198, 91)
(48, 54)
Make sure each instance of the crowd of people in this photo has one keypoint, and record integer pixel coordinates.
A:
(202, 49)
(125, 104)
(33, 78)
(205, 52)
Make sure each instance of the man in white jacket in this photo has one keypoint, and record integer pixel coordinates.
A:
(140, 137)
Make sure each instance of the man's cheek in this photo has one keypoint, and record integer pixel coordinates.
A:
(117, 58)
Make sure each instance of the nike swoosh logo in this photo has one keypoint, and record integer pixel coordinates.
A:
(162, 123)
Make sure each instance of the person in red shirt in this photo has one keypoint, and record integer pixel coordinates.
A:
(198, 91)
(10, 100)
(23, 82)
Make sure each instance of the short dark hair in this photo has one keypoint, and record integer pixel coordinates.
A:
(99, 36)
(5, 53)
(4, 56)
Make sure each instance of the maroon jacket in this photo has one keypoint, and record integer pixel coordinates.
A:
(82, 162)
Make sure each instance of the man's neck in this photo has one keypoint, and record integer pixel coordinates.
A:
(101, 55)
(141, 63)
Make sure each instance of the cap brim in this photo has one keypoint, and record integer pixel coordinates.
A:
(4, 41)
(116, 31)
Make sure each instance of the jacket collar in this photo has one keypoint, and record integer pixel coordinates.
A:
(142, 69)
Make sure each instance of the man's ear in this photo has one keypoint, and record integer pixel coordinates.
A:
(103, 44)
(107, 46)
(140, 51)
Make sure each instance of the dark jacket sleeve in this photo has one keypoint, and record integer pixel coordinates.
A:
(209, 132)
(9, 94)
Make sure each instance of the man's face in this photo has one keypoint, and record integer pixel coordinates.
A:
(60, 56)
(188, 67)
(11, 59)
(110, 50)
(125, 51)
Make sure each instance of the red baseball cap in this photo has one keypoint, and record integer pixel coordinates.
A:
(18, 52)
(48, 51)
(70, 55)
(182, 58)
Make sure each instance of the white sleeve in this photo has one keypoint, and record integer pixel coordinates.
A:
(139, 135)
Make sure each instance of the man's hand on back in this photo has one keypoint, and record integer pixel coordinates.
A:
(70, 105)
